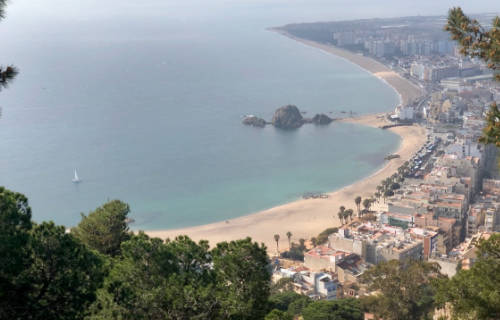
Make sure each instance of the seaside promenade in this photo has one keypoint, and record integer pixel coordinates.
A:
(307, 218)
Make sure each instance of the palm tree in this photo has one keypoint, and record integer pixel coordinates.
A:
(401, 170)
(378, 195)
(358, 204)
(289, 236)
(341, 213)
(349, 213)
(388, 193)
(367, 204)
(314, 241)
(302, 243)
(387, 182)
(277, 239)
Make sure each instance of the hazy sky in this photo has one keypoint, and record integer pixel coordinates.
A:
(304, 10)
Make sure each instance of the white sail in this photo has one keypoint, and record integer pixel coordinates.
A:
(76, 179)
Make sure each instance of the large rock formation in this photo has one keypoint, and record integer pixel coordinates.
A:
(321, 119)
(254, 121)
(288, 117)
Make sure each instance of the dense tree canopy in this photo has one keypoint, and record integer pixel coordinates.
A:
(405, 289)
(15, 225)
(105, 228)
(243, 279)
(475, 293)
(283, 300)
(181, 279)
(282, 285)
(45, 273)
(343, 309)
(278, 315)
(63, 276)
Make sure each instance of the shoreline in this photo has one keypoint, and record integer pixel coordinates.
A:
(307, 218)
(406, 90)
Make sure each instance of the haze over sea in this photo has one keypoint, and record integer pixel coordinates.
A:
(147, 105)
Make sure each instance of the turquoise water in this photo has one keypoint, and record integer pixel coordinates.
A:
(147, 102)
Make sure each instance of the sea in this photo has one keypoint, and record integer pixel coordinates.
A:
(145, 100)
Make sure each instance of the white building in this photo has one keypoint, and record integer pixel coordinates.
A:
(405, 112)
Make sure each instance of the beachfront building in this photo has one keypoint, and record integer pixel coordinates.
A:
(378, 242)
(323, 258)
(405, 113)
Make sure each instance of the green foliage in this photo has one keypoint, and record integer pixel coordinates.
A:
(388, 193)
(15, 225)
(282, 300)
(369, 303)
(474, 40)
(182, 279)
(323, 236)
(242, 278)
(341, 213)
(63, 277)
(282, 285)
(314, 241)
(45, 273)
(405, 289)
(357, 201)
(298, 305)
(8, 73)
(278, 315)
(296, 252)
(343, 309)
(475, 293)
(159, 280)
(367, 203)
(105, 228)
(277, 239)
(289, 236)
(491, 132)
(290, 302)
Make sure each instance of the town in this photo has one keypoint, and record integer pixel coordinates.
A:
(440, 202)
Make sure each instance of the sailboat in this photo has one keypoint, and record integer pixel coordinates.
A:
(75, 178)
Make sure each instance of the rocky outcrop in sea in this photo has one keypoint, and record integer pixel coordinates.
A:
(287, 117)
(321, 119)
(254, 121)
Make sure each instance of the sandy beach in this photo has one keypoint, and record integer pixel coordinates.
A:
(307, 218)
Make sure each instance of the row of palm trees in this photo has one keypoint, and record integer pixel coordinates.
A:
(277, 239)
(344, 213)
(387, 186)
(384, 190)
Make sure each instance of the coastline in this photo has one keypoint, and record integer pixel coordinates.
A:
(406, 90)
(307, 218)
